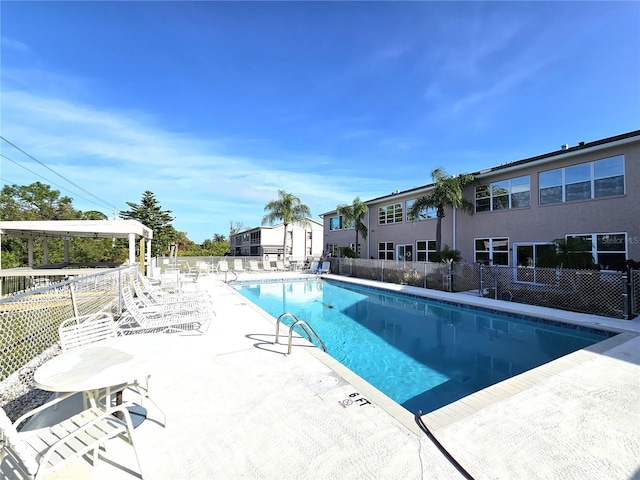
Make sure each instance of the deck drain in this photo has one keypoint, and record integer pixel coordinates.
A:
(322, 383)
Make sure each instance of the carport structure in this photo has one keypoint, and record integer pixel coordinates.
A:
(66, 229)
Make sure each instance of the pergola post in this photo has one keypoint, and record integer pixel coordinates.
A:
(142, 256)
(132, 248)
(148, 272)
(30, 250)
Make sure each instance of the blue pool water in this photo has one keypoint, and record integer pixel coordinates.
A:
(422, 353)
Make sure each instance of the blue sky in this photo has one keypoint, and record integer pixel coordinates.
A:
(214, 106)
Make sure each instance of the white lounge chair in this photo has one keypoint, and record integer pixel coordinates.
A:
(253, 266)
(313, 268)
(324, 268)
(237, 265)
(280, 266)
(203, 268)
(39, 452)
(266, 266)
(223, 266)
(164, 318)
(151, 297)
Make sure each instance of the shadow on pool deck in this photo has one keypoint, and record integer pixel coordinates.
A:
(238, 407)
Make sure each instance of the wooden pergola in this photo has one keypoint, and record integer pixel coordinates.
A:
(66, 229)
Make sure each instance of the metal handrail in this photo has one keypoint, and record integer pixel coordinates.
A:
(306, 328)
(234, 274)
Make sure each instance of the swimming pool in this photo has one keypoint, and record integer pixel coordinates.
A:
(422, 353)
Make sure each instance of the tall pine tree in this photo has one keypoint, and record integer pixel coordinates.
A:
(150, 214)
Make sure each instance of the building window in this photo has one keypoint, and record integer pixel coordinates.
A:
(425, 214)
(609, 250)
(333, 249)
(385, 250)
(335, 223)
(390, 214)
(425, 249)
(358, 252)
(504, 195)
(602, 178)
(255, 237)
(492, 251)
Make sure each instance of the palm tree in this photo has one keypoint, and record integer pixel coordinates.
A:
(290, 210)
(352, 215)
(448, 191)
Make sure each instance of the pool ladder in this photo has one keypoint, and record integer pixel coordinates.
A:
(304, 326)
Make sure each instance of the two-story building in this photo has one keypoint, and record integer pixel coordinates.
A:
(267, 242)
(590, 191)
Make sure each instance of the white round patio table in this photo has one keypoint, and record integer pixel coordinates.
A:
(102, 364)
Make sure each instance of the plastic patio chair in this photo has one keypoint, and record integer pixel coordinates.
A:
(39, 452)
(325, 267)
(237, 265)
(163, 318)
(253, 266)
(85, 329)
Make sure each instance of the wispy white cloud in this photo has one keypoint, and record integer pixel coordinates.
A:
(117, 155)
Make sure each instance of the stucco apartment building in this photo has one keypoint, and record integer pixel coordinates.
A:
(590, 190)
(266, 242)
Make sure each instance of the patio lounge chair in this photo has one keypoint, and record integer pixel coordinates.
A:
(324, 268)
(266, 266)
(163, 318)
(237, 265)
(150, 298)
(313, 268)
(253, 266)
(223, 266)
(280, 266)
(39, 452)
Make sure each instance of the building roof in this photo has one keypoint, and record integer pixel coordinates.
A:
(565, 151)
(76, 228)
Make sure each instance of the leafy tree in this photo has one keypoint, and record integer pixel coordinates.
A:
(218, 247)
(39, 202)
(352, 215)
(94, 215)
(150, 214)
(290, 210)
(448, 191)
(35, 202)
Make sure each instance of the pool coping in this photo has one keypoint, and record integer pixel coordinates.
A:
(626, 330)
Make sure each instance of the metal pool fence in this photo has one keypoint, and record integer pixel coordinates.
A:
(613, 294)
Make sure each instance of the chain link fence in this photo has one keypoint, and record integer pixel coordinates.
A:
(588, 291)
(29, 323)
(417, 274)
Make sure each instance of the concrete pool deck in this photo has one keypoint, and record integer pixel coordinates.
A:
(238, 407)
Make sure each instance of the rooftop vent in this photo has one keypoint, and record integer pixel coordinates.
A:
(564, 147)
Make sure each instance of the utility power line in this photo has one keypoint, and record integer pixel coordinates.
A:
(53, 183)
(104, 202)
